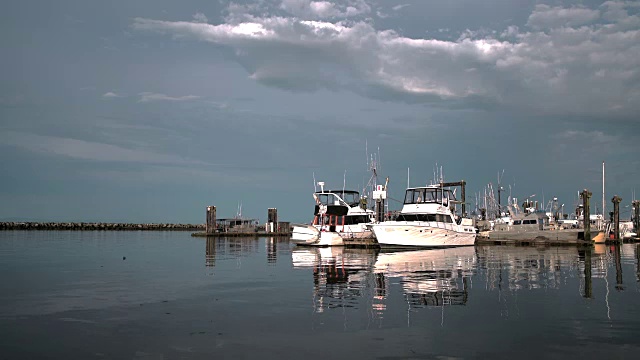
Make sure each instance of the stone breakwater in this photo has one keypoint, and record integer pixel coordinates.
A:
(95, 226)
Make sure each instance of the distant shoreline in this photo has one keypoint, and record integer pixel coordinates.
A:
(38, 225)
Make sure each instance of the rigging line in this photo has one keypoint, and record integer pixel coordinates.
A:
(390, 198)
(344, 181)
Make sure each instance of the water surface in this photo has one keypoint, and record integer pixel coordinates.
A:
(166, 295)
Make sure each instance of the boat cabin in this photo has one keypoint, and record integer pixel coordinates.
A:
(424, 195)
(338, 197)
(333, 208)
(537, 220)
(236, 225)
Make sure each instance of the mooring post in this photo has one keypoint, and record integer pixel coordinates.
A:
(379, 210)
(586, 195)
(616, 217)
(211, 220)
(272, 220)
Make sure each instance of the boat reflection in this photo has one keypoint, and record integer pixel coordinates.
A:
(515, 268)
(340, 275)
(222, 248)
(432, 277)
(343, 277)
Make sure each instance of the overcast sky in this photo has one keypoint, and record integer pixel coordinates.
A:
(150, 110)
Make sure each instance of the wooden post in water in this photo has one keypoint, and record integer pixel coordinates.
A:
(211, 220)
(272, 220)
(586, 195)
(616, 217)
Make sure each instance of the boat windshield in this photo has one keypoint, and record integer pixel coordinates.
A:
(427, 195)
(352, 198)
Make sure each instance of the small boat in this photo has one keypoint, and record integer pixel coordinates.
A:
(531, 225)
(338, 215)
(426, 220)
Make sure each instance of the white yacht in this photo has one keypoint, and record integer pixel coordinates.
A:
(338, 215)
(426, 220)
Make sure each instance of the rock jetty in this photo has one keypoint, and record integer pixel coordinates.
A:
(95, 226)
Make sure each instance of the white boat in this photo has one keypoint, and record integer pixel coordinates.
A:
(338, 215)
(426, 220)
(531, 225)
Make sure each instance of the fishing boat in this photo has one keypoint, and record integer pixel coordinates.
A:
(427, 219)
(338, 215)
(531, 225)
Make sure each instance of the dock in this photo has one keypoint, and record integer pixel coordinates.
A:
(539, 241)
(97, 226)
(241, 234)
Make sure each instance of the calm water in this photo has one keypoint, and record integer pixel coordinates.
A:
(166, 295)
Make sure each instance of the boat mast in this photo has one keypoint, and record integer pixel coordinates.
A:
(603, 203)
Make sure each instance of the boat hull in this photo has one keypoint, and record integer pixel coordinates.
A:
(313, 236)
(309, 235)
(304, 234)
(549, 235)
(400, 234)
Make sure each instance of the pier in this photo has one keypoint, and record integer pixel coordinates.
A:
(93, 226)
(241, 227)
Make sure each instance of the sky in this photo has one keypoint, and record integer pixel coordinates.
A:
(149, 111)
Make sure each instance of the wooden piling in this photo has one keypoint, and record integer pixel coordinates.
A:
(272, 220)
(380, 209)
(586, 195)
(616, 217)
(211, 220)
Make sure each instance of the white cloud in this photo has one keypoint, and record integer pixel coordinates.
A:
(111, 94)
(546, 17)
(569, 68)
(401, 6)
(148, 97)
(307, 9)
(200, 17)
(87, 150)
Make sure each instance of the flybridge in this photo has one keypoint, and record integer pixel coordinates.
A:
(338, 197)
(437, 193)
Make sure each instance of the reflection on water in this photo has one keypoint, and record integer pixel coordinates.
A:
(516, 268)
(428, 277)
(339, 275)
(439, 277)
(237, 247)
(431, 277)
(128, 295)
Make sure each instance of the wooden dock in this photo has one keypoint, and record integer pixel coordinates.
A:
(539, 241)
(98, 226)
(242, 234)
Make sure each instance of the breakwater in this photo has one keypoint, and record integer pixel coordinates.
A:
(95, 226)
